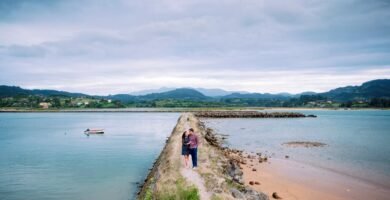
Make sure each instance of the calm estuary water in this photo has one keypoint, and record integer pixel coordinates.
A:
(47, 156)
(358, 141)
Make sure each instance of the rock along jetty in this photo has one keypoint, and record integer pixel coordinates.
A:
(249, 114)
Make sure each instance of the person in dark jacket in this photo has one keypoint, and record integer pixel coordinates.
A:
(185, 151)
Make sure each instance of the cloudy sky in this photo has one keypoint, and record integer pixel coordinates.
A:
(120, 46)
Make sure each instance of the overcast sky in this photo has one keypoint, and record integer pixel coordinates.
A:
(120, 46)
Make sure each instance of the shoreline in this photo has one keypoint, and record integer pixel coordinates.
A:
(178, 109)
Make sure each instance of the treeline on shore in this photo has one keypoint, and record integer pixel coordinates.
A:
(63, 102)
(36, 101)
(371, 94)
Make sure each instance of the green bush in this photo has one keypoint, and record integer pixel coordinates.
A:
(148, 195)
(182, 193)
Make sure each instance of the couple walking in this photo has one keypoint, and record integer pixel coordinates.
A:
(189, 147)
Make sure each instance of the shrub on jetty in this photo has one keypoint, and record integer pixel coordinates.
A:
(148, 194)
(182, 192)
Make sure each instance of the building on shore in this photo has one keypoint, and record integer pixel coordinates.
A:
(44, 105)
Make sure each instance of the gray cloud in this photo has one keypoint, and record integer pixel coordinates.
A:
(102, 47)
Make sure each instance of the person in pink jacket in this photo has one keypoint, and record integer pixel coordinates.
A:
(193, 144)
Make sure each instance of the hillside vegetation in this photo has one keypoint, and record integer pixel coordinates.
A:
(374, 93)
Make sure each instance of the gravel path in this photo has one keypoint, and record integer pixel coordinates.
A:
(193, 177)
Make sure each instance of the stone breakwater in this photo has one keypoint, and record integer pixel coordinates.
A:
(219, 168)
(249, 114)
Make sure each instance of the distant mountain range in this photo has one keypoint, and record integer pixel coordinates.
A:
(151, 91)
(372, 89)
(214, 92)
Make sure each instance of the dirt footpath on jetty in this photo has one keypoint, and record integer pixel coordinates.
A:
(217, 177)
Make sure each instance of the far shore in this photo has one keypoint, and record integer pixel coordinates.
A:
(265, 109)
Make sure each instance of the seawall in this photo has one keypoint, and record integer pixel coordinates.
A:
(218, 176)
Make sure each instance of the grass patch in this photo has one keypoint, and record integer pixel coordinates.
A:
(182, 192)
(148, 194)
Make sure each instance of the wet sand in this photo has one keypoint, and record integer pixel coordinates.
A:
(293, 180)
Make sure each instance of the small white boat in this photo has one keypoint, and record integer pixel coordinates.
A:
(94, 131)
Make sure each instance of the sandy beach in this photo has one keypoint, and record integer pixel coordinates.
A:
(293, 180)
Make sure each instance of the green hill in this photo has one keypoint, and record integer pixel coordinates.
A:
(178, 94)
(372, 89)
(11, 91)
